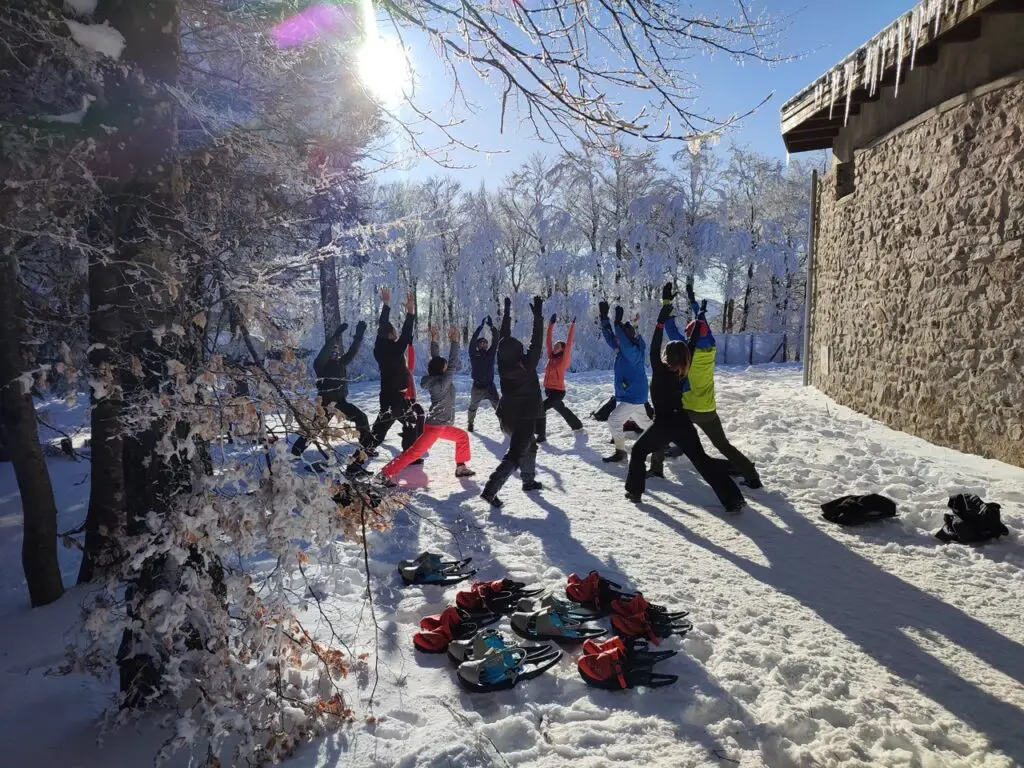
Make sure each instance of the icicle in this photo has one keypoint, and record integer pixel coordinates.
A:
(833, 82)
(915, 33)
(848, 74)
(899, 54)
(869, 68)
(938, 6)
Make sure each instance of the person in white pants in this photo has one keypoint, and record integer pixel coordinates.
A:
(630, 378)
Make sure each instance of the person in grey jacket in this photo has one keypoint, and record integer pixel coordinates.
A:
(440, 420)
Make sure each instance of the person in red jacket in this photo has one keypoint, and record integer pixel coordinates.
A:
(559, 357)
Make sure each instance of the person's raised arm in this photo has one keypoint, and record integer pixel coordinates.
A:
(494, 337)
(506, 320)
(357, 342)
(537, 338)
(405, 339)
(549, 335)
(476, 337)
(385, 312)
(657, 364)
(567, 354)
(606, 325)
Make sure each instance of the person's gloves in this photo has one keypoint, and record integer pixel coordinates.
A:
(668, 293)
(489, 322)
(554, 319)
(508, 305)
(602, 309)
(689, 292)
(361, 327)
(619, 312)
(538, 305)
(341, 329)
(574, 319)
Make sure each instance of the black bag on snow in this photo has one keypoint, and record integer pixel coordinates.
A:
(855, 510)
(972, 522)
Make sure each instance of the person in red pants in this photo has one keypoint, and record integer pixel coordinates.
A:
(440, 420)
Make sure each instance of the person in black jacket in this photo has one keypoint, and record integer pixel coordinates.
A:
(520, 405)
(671, 424)
(481, 360)
(389, 351)
(331, 369)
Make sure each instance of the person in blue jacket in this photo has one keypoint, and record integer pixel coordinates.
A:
(630, 378)
(481, 361)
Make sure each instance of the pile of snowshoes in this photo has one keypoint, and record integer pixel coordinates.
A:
(488, 660)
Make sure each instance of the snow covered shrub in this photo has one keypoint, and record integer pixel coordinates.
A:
(204, 607)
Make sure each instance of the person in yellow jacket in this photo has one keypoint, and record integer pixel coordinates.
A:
(699, 393)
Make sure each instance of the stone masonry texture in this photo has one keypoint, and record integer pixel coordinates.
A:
(918, 300)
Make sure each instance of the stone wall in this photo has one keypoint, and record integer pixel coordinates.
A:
(918, 296)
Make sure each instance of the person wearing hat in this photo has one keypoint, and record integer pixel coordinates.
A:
(699, 394)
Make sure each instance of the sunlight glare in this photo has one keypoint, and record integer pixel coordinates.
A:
(384, 70)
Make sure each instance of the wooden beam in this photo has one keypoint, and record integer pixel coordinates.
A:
(962, 33)
(821, 133)
(796, 147)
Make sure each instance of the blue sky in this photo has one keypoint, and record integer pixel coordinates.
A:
(820, 32)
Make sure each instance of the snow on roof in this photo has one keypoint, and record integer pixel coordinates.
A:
(888, 55)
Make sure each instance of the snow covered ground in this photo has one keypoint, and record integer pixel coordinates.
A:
(813, 645)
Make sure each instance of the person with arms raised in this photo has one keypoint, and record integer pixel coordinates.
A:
(481, 361)
(671, 424)
(630, 379)
(520, 405)
(390, 352)
(440, 419)
(559, 358)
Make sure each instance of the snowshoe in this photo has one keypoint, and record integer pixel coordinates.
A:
(615, 670)
(451, 624)
(565, 608)
(637, 605)
(499, 596)
(501, 669)
(548, 625)
(635, 648)
(594, 592)
(654, 630)
(429, 568)
(452, 620)
(476, 647)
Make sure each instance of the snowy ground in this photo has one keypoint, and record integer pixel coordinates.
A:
(813, 646)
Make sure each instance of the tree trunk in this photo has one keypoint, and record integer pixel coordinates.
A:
(746, 297)
(330, 302)
(145, 201)
(21, 436)
(105, 518)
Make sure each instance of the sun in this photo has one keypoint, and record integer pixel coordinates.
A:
(384, 70)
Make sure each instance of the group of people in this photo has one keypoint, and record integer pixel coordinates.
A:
(681, 391)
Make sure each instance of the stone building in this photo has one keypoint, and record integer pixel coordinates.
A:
(916, 292)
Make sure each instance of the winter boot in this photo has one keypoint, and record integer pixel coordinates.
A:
(463, 471)
(616, 458)
(633, 497)
(655, 473)
(533, 485)
(492, 498)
